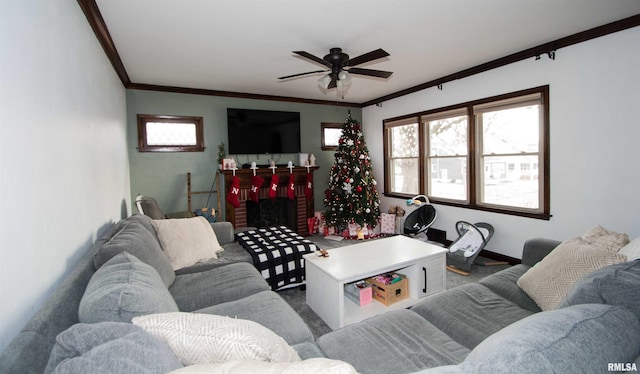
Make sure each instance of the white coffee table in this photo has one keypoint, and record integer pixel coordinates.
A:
(422, 263)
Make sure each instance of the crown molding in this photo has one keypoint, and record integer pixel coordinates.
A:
(94, 17)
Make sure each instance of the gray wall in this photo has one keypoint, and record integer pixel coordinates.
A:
(163, 175)
(63, 152)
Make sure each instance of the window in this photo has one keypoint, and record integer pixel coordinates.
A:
(170, 133)
(330, 135)
(403, 156)
(490, 154)
(447, 154)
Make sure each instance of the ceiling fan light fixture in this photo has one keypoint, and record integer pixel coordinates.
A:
(344, 76)
(324, 81)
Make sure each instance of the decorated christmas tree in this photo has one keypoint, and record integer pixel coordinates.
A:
(352, 196)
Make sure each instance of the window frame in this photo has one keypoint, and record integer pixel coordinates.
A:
(388, 125)
(143, 146)
(474, 173)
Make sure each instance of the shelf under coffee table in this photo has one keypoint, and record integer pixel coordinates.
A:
(422, 263)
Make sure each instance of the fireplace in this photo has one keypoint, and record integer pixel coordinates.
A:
(272, 212)
(280, 211)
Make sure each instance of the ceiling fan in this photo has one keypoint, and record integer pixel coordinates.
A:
(338, 62)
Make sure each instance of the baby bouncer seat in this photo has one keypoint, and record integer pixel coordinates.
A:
(419, 221)
(464, 250)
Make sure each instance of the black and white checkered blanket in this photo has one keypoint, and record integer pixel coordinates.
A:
(277, 253)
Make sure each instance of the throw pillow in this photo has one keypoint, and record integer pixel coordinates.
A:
(110, 347)
(631, 250)
(209, 339)
(309, 366)
(605, 239)
(187, 241)
(617, 284)
(548, 281)
(134, 237)
(577, 339)
(123, 288)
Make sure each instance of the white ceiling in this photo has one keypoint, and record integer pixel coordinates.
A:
(245, 45)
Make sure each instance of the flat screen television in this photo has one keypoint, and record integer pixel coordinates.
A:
(263, 131)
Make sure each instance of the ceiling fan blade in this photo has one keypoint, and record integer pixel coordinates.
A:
(371, 72)
(297, 75)
(334, 82)
(373, 55)
(312, 58)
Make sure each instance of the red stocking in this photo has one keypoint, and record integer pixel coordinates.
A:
(256, 183)
(273, 189)
(291, 191)
(234, 192)
(308, 189)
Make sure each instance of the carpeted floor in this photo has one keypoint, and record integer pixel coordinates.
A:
(297, 297)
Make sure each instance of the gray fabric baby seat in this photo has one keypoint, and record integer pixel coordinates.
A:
(471, 240)
(420, 219)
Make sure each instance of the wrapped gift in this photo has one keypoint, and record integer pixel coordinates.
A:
(365, 231)
(320, 221)
(311, 223)
(375, 230)
(387, 223)
(353, 229)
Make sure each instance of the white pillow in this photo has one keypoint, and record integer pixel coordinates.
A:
(209, 339)
(186, 241)
(309, 366)
(631, 250)
(548, 281)
(605, 239)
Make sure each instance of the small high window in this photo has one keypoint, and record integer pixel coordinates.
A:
(330, 135)
(158, 133)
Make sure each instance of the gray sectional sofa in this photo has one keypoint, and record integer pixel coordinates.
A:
(228, 285)
(488, 327)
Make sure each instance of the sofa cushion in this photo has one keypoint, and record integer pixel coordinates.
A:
(187, 241)
(233, 253)
(617, 284)
(469, 313)
(208, 339)
(268, 309)
(134, 237)
(110, 347)
(399, 341)
(577, 339)
(548, 282)
(226, 283)
(123, 288)
(311, 366)
(504, 284)
(308, 350)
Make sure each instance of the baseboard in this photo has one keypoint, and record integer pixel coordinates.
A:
(499, 257)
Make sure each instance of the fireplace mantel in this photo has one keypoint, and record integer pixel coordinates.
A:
(305, 208)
